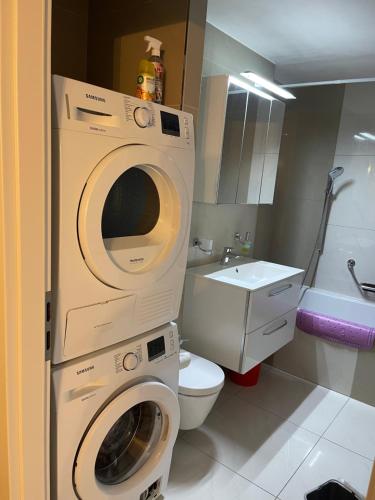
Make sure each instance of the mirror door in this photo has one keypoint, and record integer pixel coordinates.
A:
(232, 144)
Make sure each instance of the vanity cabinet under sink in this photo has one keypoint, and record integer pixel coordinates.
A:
(238, 323)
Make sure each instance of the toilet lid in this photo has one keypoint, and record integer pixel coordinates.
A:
(200, 378)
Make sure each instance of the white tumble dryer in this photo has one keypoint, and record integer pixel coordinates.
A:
(122, 193)
(115, 418)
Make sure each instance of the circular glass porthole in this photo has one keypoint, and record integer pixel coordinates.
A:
(132, 217)
(132, 207)
(126, 443)
(129, 443)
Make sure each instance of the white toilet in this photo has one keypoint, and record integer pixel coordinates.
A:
(199, 386)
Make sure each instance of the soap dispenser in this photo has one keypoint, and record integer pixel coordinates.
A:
(246, 244)
(243, 244)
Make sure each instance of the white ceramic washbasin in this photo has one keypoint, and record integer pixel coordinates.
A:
(250, 275)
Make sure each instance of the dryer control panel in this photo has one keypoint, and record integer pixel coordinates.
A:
(84, 107)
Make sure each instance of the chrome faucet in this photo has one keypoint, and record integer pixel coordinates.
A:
(228, 255)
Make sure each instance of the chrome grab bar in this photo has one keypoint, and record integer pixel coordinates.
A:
(368, 287)
(284, 323)
(364, 288)
(280, 289)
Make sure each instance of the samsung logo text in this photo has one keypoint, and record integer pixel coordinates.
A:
(84, 370)
(95, 97)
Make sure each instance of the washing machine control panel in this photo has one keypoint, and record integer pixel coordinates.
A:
(136, 354)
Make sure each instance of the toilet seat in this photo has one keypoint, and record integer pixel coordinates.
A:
(200, 378)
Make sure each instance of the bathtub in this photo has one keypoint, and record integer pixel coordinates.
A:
(339, 306)
(338, 318)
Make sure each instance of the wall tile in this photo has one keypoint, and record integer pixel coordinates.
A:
(269, 178)
(264, 231)
(357, 116)
(322, 362)
(194, 53)
(343, 243)
(296, 231)
(69, 39)
(309, 141)
(363, 387)
(350, 233)
(220, 49)
(219, 223)
(354, 203)
(224, 55)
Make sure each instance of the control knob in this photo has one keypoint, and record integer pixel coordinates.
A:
(131, 361)
(142, 117)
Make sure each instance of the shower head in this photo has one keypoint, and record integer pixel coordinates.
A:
(332, 175)
(335, 172)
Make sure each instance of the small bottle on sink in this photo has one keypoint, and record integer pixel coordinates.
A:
(246, 244)
(243, 244)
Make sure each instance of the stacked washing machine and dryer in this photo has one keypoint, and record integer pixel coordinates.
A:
(121, 203)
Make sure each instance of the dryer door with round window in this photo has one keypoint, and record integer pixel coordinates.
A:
(126, 444)
(133, 216)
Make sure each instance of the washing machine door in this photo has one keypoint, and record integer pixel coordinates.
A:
(126, 442)
(133, 216)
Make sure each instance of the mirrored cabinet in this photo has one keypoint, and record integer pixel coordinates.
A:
(238, 142)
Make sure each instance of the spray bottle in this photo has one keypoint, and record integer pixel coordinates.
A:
(156, 60)
(146, 81)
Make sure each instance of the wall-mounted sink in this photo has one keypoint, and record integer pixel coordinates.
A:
(239, 315)
(253, 275)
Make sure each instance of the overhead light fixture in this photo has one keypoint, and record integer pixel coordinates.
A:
(272, 87)
(249, 88)
(359, 137)
(367, 135)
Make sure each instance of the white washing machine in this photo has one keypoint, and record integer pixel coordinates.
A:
(115, 420)
(122, 194)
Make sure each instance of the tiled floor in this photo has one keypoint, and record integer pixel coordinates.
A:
(277, 440)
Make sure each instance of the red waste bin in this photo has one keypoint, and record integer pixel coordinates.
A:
(247, 379)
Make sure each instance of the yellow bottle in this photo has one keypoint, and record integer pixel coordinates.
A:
(146, 81)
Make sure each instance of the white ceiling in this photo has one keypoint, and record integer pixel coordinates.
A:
(308, 40)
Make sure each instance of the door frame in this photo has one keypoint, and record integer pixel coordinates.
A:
(24, 247)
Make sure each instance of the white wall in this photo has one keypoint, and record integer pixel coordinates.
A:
(350, 234)
(351, 229)
(224, 55)
(286, 232)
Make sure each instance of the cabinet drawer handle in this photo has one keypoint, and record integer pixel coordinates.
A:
(284, 323)
(280, 289)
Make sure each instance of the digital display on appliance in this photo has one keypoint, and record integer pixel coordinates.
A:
(170, 124)
(156, 348)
